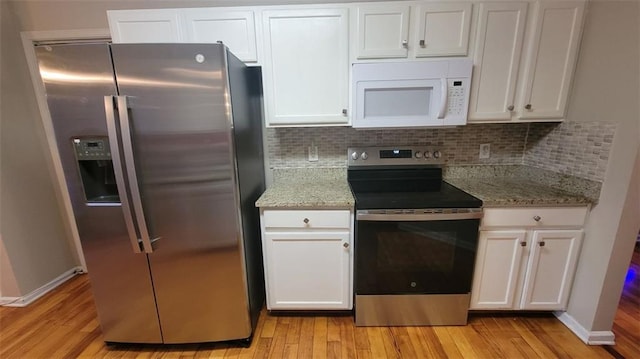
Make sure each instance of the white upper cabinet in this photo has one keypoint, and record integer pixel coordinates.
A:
(236, 29)
(382, 31)
(145, 26)
(551, 59)
(498, 45)
(442, 29)
(306, 66)
(411, 30)
(524, 60)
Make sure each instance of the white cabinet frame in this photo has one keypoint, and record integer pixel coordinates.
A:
(235, 28)
(382, 31)
(442, 29)
(496, 58)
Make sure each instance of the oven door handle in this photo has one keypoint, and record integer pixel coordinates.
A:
(400, 217)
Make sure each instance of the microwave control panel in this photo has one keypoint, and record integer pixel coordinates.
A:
(456, 105)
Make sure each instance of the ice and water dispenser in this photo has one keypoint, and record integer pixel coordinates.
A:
(93, 155)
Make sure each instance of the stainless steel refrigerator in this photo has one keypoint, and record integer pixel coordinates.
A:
(161, 148)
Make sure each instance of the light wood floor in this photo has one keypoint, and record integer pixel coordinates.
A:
(63, 324)
(626, 325)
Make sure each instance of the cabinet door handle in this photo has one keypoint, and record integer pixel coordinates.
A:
(528, 106)
(345, 244)
(510, 108)
(306, 220)
(523, 243)
(537, 218)
(405, 44)
(344, 111)
(422, 44)
(541, 243)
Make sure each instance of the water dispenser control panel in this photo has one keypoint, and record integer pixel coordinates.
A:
(92, 148)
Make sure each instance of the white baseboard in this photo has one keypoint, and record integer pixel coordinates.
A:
(589, 337)
(31, 297)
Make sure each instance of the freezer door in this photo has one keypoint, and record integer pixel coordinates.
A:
(76, 79)
(179, 114)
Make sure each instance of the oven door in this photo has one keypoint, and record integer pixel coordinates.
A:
(431, 253)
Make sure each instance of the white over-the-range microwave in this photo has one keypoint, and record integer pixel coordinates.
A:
(411, 94)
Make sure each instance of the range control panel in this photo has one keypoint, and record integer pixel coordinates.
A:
(402, 155)
(92, 148)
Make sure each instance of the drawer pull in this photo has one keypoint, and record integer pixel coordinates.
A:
(537, 218)
(345, 244)
(523, 244)
(306, 221)
(541, 243)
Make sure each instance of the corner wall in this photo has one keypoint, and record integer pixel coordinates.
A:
(33, 232)
(607, 88)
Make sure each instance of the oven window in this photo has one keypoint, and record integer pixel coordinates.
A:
(430, 257)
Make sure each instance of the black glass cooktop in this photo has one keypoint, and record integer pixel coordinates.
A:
(447, 197)
(406, 188)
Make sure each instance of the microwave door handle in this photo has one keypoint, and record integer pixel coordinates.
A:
(127, 147)
(443, 98)
(119, 173)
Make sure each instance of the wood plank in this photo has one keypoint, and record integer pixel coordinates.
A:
(305, 347)
(279, 338)
(320, 338)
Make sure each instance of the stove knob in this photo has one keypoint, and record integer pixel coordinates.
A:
(354, 156)
(427, 154)
(418, 154)
(364, 155)
(436, 154)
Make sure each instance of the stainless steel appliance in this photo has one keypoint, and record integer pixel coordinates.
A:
(161, 149)
(415, 239)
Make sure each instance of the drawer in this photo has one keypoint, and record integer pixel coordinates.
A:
(526, 217)
(307, 219)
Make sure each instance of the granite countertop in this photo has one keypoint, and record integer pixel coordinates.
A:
(308, 187)
(496, 186)
(522, 186)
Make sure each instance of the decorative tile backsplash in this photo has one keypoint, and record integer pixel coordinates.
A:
(578, 149)
(460, 145)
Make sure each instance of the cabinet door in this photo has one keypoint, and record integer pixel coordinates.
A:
(443, 29)
(308, 270)
(550, 269)
(236, 29)
(306, 66)
(551, 59)
(383, 31)
(497, 269)
(145, 26)
(496, 60)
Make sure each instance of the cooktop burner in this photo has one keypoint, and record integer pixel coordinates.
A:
(402, 178)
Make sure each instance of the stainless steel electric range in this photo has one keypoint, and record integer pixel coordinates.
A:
(415, 239)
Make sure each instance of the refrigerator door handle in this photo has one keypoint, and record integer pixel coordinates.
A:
(127, 148)
(119, 174)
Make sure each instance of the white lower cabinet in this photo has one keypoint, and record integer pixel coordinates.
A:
(308, 259)
(529, 268)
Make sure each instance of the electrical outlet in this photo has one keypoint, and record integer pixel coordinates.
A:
(485, 151)
(313, 153)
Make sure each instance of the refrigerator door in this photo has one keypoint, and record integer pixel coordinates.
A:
(76, 79)
(179, 113)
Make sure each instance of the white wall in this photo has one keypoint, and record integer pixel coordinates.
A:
(33, 232)
(606, 88)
